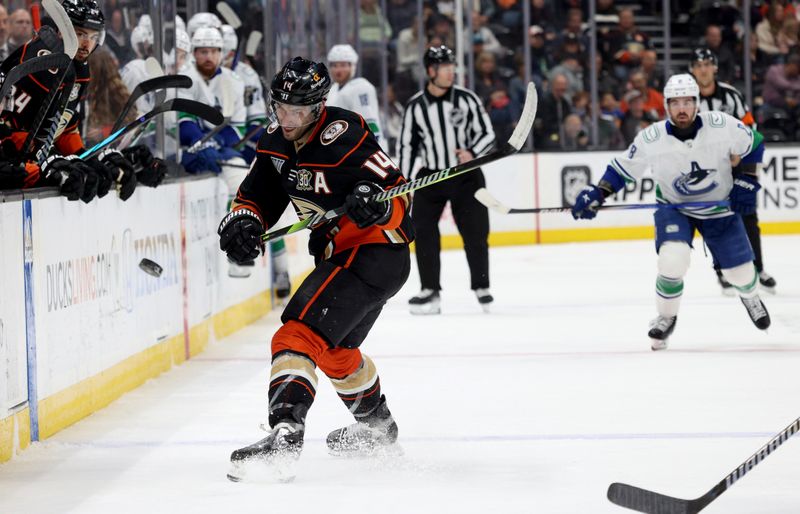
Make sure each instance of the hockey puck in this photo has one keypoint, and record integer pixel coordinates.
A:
(151, 267)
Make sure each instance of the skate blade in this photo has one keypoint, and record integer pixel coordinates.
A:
(770, 290)
(487, 308)
(275, 471)
(421, 310)
(729, 292)
(391, 451)
(658, 344)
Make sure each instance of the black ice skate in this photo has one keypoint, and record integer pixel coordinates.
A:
(727, 287)
(660, 330)
(757, 312)
(376, 433)
(278, 452)
(767, 281)
(485, 298)
(426, 302)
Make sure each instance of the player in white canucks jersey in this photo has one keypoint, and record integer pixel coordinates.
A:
(691, 158)
(256, 123)
(353, 93)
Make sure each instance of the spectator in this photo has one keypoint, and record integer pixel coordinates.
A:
(553, 110)
(771, 40)
(654, 74)
(653, 101)
(106, 97)
(605, 79)
(609, 108)
(441, 27)
(782, 90)
(486, 77)
(20, 30)
(409, 68)
(483, 39)
(371, 22)
(575, 136)
(789, 33)
(636, 118)
(542, 14)
(570, 68)
(726, 62)
(541, 60)
(504, 113)
(117, 37)
(400, 14)
(3, 33)
(625, 44)
(573, 31)
(580, 105)
(609, 137)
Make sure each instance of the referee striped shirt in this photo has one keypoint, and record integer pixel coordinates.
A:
(435, 127)
(729, 100)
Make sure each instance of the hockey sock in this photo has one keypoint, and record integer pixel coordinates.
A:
(668, 295)
(280, 258)
(744, 278)
(361, 390)
(292, 387)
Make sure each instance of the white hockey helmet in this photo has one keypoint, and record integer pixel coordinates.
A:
(145, 21)
(179, 23)
(182, 41)
(342, 53)
(141, 40)
(203, 19)
(206, 37)
(229, 40)
(679, 86)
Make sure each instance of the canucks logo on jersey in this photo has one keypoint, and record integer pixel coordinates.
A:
(698, 181)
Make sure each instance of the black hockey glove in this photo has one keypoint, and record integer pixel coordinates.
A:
(68, 174)
(240, 235)
(121, 171)
(364, 211)
(12, 172)
(150, 170)
(101, 175)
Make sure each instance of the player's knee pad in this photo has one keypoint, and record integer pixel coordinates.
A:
(297, 337)
(234, 175)
(673, 259)
(347, 368)
(741, 276)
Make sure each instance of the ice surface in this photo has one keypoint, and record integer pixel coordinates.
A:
(535, 408)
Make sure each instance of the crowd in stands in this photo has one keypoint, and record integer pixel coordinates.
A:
(630, 74)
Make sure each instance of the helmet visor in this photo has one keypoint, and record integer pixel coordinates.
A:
(294, 116)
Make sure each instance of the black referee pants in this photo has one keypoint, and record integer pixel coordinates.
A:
(472, 220)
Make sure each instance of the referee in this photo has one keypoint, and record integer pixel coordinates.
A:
(719, 96)
(444, 125)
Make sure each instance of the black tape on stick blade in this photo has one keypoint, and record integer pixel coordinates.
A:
(150, 267)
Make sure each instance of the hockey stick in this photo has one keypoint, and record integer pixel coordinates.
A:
(513, 145)
(229, 15)
(70, 41)
(239, 144)
(154, 69)
(642, 500)
(148, 86)
(485, 197)
(35, 65)
(198, 109)
(228, 104)
(253, 40)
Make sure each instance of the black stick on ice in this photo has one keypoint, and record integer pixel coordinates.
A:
(643, 500)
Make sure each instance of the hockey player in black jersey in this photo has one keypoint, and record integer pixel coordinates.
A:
(719, 96)
(76, 178)
(319, 158)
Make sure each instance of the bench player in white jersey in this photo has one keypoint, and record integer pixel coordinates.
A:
(691, 156)
(256, 123)
(353, 93)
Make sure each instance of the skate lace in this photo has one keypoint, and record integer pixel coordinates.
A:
(755, 307)
(662, 323)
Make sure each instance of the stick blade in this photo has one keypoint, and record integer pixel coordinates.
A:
(525, 122)
(195, 108)
(642, 500)
(228, 14)
(62, 21)
(253, 40)
(153, 68)
(485, 197)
